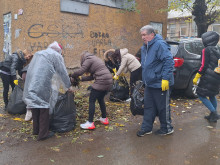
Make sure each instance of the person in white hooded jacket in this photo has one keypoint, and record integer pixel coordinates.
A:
(38, 86)
(128, 63)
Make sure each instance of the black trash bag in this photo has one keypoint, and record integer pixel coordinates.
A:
(120, 90)
(137, 99)
(63, 118)
(16, 105)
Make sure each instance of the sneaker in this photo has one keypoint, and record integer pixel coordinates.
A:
(128, 100)
(87, 125)
(160, 132)
(142, 133)
(28, 115)
(104, 120)
(207, 116)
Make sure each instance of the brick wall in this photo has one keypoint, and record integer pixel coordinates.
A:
(42, 22)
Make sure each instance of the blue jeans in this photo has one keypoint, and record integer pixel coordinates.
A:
(210, 103)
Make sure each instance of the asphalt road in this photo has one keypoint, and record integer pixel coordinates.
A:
(194, 142)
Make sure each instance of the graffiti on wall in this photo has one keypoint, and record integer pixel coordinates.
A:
(100, 40)
(36, 46)
(63, 31)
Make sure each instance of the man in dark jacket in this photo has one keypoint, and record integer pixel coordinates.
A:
(102, 84)
(209, 83)
(10, 65)
(157, 74)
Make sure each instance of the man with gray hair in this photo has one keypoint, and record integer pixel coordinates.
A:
(157, 74)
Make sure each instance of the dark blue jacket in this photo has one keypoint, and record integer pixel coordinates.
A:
(157, 63)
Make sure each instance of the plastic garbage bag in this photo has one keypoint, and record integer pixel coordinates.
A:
(63, 118)
(137, 99)
(16, 105)
(120, 90)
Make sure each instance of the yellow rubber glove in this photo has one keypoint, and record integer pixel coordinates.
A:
(195, 80)
(115, 77)
(16, 82)
(165, 85)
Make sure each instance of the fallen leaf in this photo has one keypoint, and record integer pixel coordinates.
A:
(186, 162)
(151, 156)
(100, 156)
(55, 149)
(74, 140)
(52, 160)
(86, 151)
(180, 129)
(18, 119)
(107, 148)
(216, 157)
(209, 126)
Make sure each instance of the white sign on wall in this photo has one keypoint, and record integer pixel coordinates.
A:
(7, 33)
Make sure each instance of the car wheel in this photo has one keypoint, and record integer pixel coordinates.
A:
(190, 90)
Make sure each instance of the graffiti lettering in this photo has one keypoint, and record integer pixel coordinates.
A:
(69, 46)
(98, 35)
(98, 52)
(101, 42)
(65, 31)
(36, 46)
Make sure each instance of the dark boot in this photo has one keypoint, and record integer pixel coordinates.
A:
(207, 117)
(214, 117)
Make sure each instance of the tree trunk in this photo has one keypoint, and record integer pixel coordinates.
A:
(201, 28)
(199, 11)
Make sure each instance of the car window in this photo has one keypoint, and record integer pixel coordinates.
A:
(194, 47)
(198, 48)
(188, 47)
(173, 49)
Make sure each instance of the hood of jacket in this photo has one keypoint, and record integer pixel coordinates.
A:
(156, 38)
(210, 38)
(84, 56)
(106, 58)
(123, 51)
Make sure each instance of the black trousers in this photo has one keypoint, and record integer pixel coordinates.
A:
(134, 77)
(6, 80)
(40, 122)
(156, 103)
(96, 95)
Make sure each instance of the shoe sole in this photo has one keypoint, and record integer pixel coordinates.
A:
(105, 123)
(169, 133)
(147, 133)
(89, 128)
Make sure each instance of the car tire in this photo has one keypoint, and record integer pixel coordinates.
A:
(189, 90)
